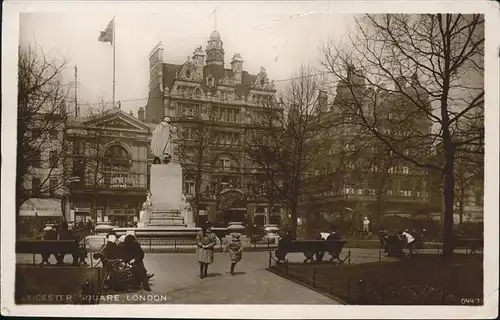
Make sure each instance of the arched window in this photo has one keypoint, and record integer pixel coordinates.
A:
(116, 167)
(197, 92)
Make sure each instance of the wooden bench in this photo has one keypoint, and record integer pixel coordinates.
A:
(47, 247)
(471, 244)
(310, 248)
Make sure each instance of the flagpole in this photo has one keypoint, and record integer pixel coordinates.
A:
(114, 73)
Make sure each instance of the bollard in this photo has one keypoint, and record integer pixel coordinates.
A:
(314, 277)
(349, 257)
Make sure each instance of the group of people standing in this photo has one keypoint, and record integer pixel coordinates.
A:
(205, 244)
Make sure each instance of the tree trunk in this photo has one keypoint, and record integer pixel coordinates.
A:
(449, 195)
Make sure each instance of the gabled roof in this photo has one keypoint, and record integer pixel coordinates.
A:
(217, 72)
(116, 120)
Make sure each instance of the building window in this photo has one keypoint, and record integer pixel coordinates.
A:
(374, 168)
(391, 169)
(35, 186)
(52, 186)
(79, 147)
(390, 192)
(417, 194)
(221, 114)
(37, 159)
(53, 159)
(406, 170)
(225, 164)
(372, 192)
(360, 192)
(116, 167)
(389, 115)
(189, 187)
(53, 135)
(406, 193)
(36, 133)
(188, 73)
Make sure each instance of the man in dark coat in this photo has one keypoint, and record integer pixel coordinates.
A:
(110, 249)
(49, 234)
(66, 234)
(134, 255)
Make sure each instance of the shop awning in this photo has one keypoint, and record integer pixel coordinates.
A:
(41, 207)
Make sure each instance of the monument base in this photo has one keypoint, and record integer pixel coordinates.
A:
(166, 187)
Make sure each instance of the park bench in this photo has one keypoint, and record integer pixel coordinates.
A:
(74, 284)
(310, 248)
(49, 247)
(471, 244)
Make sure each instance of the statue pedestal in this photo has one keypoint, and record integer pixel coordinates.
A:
(166, 187)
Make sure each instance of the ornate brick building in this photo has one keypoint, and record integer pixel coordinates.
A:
(213, 106)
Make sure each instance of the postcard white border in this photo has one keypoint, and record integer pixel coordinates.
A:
(10, 36)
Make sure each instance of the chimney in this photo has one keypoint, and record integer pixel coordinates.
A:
(237, 67)
(140, 114)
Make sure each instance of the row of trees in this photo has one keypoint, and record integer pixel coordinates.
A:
(426, 70)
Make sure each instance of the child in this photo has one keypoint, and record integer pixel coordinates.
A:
(235, 250)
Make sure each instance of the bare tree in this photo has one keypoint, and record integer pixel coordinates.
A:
(195, 151)
(436, 65)
(284, 143)
(90, 150)
(41, 125)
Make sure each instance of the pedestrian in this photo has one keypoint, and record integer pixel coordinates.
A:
(49, 234)
(134, 255)
(366, 226)
(410, 240)
(235, 251)
(205, 241)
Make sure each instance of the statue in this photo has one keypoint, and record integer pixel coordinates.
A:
(185, 204)
(147, 204)
(162, 145)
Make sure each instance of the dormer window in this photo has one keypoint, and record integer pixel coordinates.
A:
(210, 81)
(261, 82)
(188, 74)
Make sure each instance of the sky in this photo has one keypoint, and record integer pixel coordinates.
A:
(275, 35)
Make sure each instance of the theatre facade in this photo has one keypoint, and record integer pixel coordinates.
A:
(109, 167)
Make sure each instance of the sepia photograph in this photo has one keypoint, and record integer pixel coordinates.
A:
(287, 155)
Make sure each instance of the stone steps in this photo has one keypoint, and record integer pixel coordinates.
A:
(170, 223)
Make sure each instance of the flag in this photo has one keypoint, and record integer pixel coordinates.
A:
(107, 35)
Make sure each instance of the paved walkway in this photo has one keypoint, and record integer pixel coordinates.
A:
(176, 280)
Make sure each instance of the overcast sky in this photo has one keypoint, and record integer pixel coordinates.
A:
(277, 36)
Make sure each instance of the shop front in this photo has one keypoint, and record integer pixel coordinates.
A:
(120, 216)
(35, 213)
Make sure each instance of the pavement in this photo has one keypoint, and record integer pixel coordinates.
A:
(177, 281)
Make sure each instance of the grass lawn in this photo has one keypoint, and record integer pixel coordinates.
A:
(421, 280)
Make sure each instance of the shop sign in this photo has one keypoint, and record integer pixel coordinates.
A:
(41, 207)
